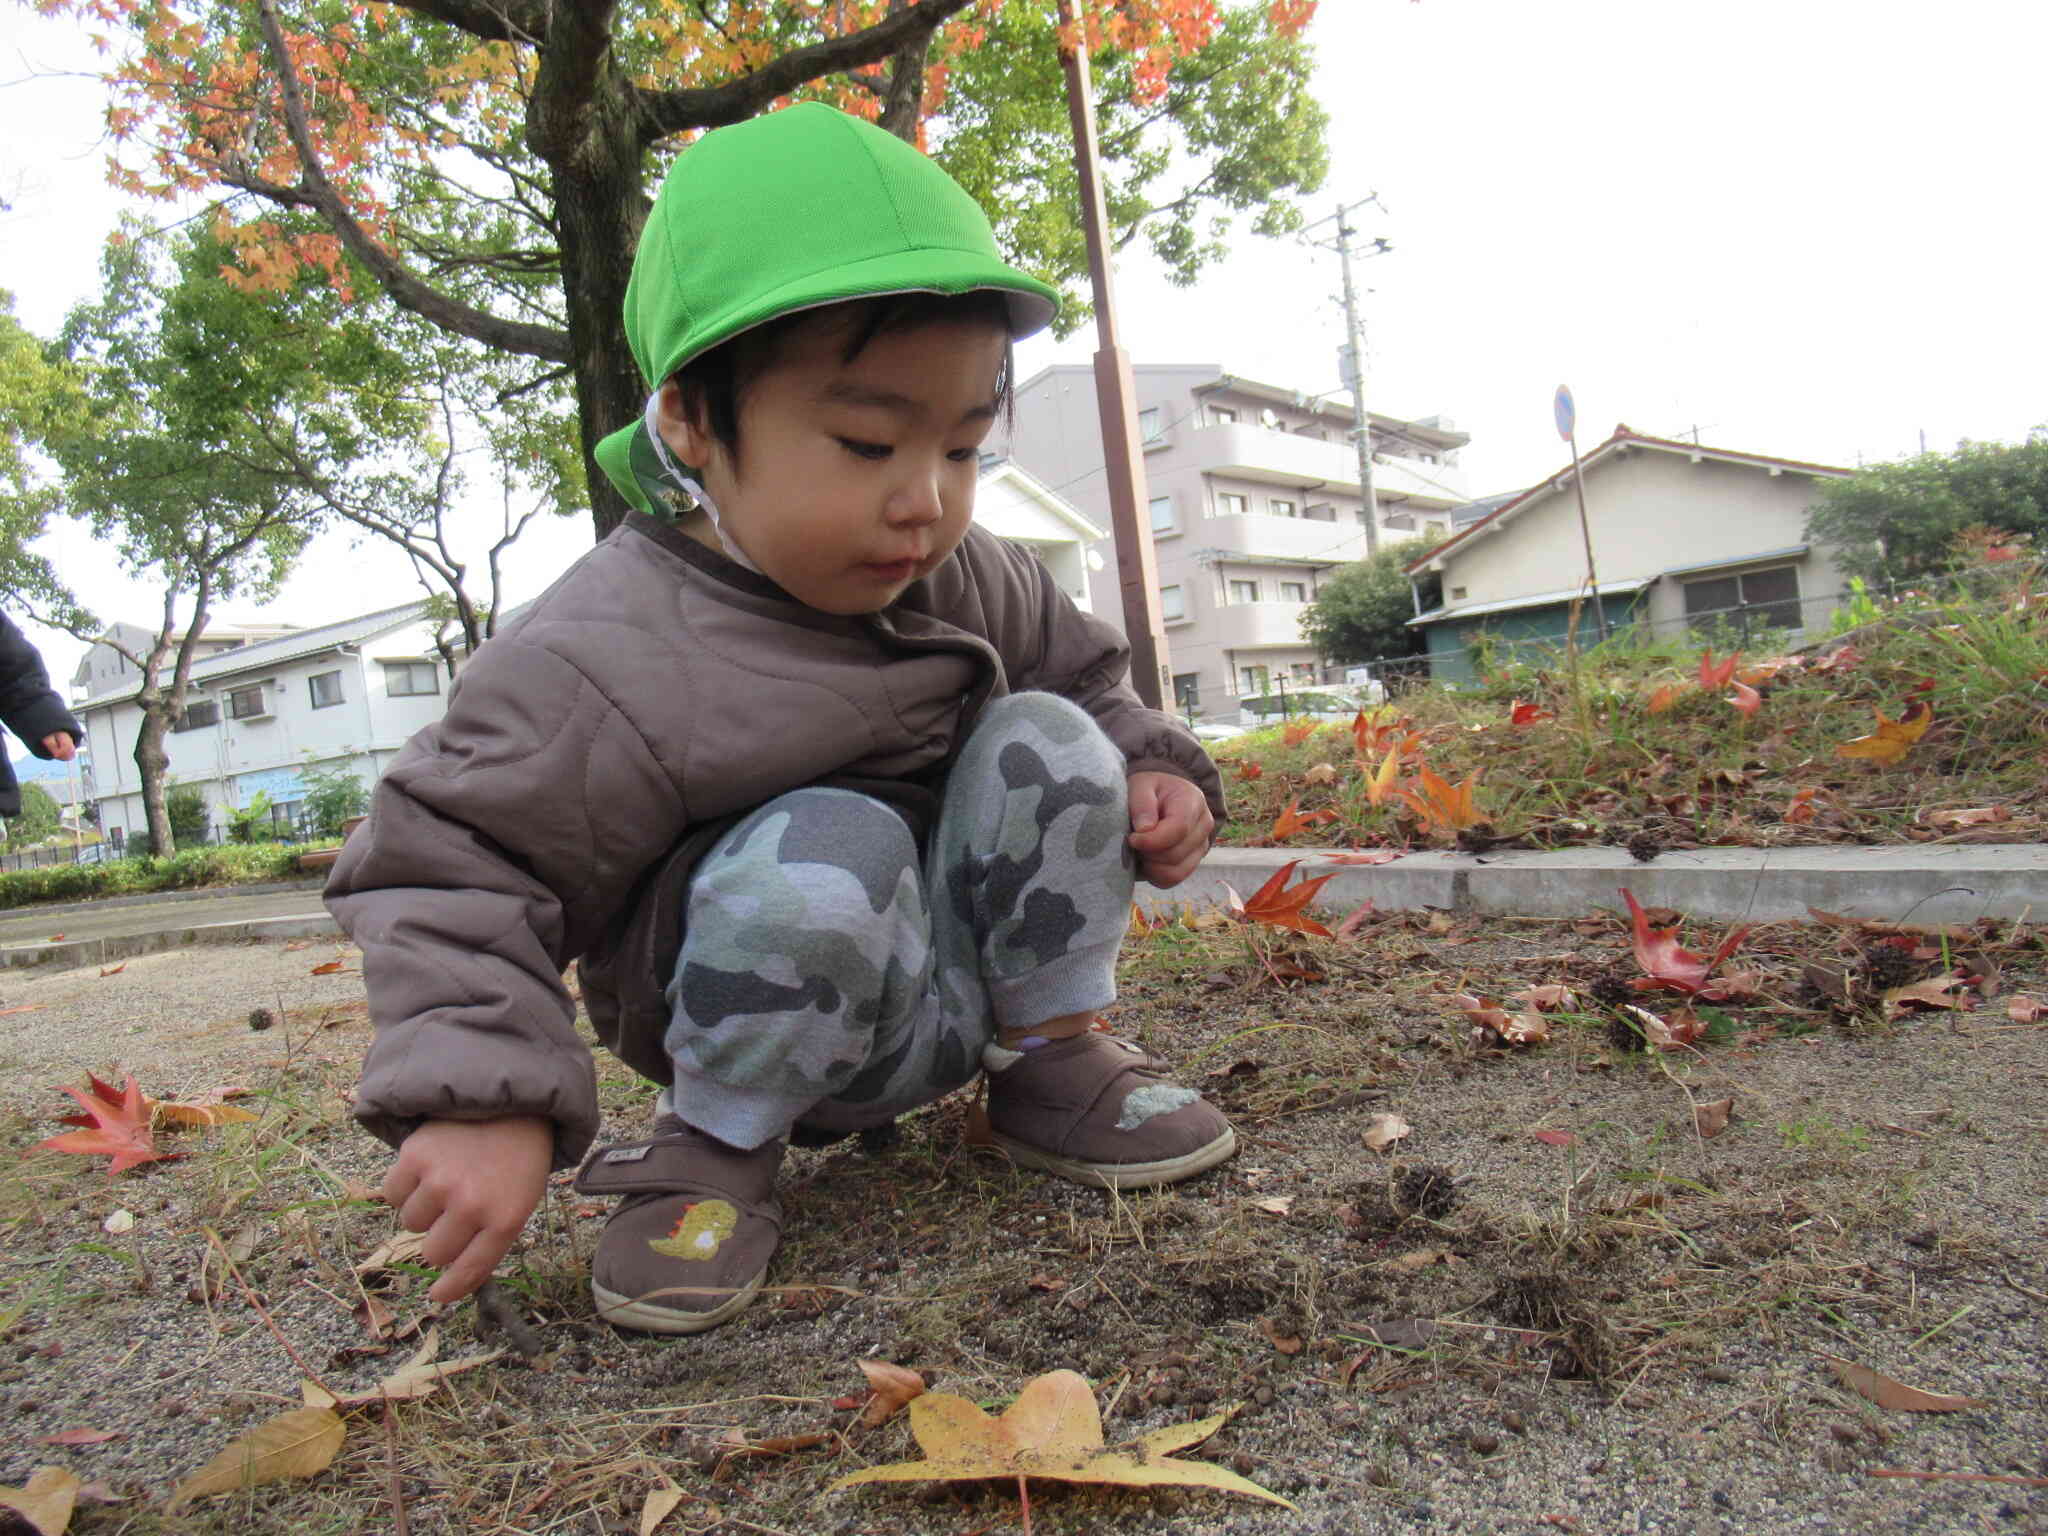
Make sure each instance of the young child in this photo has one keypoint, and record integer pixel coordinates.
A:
(834, 796)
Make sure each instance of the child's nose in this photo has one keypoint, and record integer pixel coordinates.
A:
(917, 499)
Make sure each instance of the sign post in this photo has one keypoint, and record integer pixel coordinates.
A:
(1565, 412)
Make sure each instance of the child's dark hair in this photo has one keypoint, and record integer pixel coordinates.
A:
(714, 383)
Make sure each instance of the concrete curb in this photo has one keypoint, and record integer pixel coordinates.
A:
(72, 953)
(1916, 882)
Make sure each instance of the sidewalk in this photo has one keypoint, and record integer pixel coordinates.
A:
(1922, 883)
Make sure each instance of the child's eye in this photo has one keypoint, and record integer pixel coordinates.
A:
(962, 455)
(861, 450)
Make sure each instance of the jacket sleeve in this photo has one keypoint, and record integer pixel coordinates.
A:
(28, 703)
(499, 843)
(1049, 644)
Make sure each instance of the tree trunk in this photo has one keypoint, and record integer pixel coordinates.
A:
(151, 762)
(600, 209)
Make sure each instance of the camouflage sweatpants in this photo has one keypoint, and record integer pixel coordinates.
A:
(831, 976)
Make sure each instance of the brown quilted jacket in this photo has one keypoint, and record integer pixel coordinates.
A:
(595, 746)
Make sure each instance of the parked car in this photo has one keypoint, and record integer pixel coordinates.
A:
(1330, 702)
(99, 853)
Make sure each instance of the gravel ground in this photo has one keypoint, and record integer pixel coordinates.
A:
(1628, 1335)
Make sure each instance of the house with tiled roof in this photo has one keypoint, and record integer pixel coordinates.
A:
(1683, 536)
(344, 695)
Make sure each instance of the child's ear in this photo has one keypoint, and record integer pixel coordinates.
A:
(682, 429)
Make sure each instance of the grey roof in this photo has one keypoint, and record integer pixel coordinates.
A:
(272, 653)
(1465, 515)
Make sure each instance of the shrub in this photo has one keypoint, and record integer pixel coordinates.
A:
(187, 869)
(332, 796)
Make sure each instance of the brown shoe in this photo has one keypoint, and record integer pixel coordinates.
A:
(690, 1245)
(1098, 1110)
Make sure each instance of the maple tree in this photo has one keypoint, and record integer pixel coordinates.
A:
(486, 164)
(1054, 1431)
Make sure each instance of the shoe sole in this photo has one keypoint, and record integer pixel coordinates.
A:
(644, 1316)
(1169, 1170)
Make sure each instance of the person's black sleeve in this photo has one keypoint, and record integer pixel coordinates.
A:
(28, 704)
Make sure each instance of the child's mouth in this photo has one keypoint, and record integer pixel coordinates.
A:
(891, 570)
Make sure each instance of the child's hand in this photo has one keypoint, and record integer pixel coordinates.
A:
(469, 1185)
(1170, 827)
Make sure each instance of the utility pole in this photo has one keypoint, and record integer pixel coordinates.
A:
(1137, 570)
(1354, 335)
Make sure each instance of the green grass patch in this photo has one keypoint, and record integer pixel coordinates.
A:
(1612, 761)
(187, 869)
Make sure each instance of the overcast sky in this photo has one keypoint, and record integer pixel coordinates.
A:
(1811, 229)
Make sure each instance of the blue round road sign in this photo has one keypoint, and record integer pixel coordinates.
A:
(1563, 412)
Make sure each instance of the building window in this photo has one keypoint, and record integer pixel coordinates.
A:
(1753, 600)
(1293, 591)
(1320, 512)
(1302, 671)
(1187, 691)
(1151, 424)
(1222, 415)
(1244, 591)
(1252, 681)
(246, 703)
(197, 715)
(326, 688)
(1231, 504)
(1457, 594)
(285, 813)
(1162, 514)
(1280, 506)
(403, 679)
(1173, 603)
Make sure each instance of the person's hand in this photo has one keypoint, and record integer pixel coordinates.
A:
(1171, 826)
(469, 1185)
(60, 746)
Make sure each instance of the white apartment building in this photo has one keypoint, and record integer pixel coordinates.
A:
(344, 695)
(1253, 497)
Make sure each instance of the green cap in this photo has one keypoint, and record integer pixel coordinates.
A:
(792, 210)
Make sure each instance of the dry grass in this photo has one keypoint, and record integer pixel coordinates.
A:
(1396, 1321)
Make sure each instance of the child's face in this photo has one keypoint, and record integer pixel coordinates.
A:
(851, 479)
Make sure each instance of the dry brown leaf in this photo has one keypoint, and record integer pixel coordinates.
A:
(2025, 1010)
(1321, 773)
(893, 1387)
(299, 1443)
(1275, 1205)
(113, 970)
(1896, 1395)
(421, 1376)
(81, 1437)
(399, 1248)
(1712, 1119)
(1383, 1130)
(659, 1504)
(1936, 992)
(1974, 816)
(45, 1500)
(1554, 1138)
(1053, 1430)
(1548, 998)
(1284, 1340)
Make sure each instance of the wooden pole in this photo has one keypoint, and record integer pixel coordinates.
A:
(1123, 456)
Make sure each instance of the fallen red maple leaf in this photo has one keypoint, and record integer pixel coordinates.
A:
(1714, 676)
(1249, 770)
(1296, 733)
(1665, 963)
(1745, 698)
(1528, 714)
(1293, 820)
(1273, 903)
(120, 1127)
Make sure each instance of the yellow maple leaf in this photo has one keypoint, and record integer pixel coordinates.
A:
(1379, 789)
(1893, 738)
(1053, 1430)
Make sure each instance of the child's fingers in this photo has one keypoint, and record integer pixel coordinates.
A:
(472, 1267)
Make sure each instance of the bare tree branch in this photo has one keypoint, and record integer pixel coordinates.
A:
(665, 112)
(405, 289)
